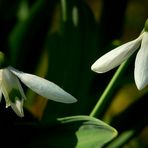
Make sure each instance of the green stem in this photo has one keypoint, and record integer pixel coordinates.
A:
(122, 139)
(64, 10)
(105, 97)
(125, 137)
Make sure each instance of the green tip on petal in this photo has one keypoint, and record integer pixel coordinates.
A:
(17, 106)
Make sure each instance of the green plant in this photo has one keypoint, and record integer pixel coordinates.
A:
(59, 41)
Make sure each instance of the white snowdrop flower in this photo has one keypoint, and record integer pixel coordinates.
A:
(14, 95)
(118, 55)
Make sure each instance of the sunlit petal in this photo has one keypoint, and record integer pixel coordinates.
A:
(1, 76)
(0, 85)
(141, 64)
(116, 56)
(6, 96)
(44, 87)
(0, 95)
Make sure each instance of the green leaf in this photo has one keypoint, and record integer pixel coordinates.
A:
(27, 38)
(92, 133)
(75, 131)
(72, 49)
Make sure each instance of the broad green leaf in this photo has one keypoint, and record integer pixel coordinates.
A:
(72, 49)
(92, 133)
(27, 38)
(74, 132)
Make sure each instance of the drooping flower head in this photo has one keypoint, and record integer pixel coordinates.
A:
(13, 92)
(118, 55)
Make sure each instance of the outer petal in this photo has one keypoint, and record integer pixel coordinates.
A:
(0, 95)
(0, 85)
(141, 64)
(116, 56)
(44, 87)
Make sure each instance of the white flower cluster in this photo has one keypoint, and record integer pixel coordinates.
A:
(118, 55)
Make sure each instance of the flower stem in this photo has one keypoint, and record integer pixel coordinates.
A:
(125, 137)
(122, 139)
(101, 105)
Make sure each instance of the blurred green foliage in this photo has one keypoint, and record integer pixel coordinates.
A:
(72, 39)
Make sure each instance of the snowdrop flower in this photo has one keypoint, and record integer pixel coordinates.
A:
(118, 55)
(14, 95)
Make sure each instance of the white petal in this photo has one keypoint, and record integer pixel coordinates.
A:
(116, 56)
(141, 64)
(0, 85)
(1, 75)
(44, 87)
(17, 106)
(0, 95)
(6, 96)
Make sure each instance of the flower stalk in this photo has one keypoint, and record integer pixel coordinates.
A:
(101, 106)
(118, 56)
